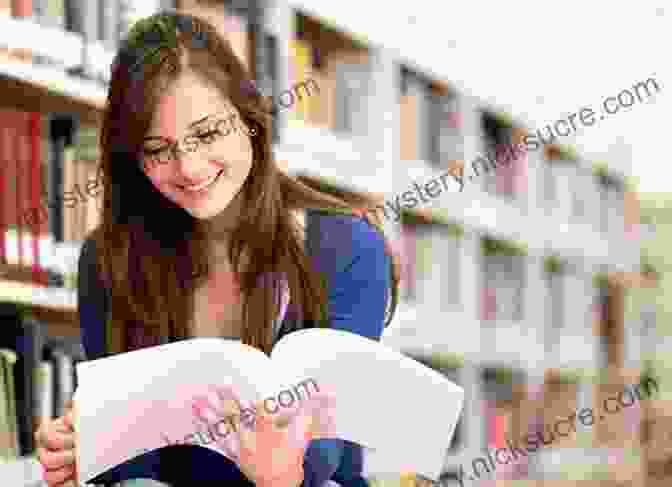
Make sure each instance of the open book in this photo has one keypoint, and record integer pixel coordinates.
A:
(403, 412)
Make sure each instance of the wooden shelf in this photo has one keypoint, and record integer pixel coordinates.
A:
(57, 299)
(55, 307)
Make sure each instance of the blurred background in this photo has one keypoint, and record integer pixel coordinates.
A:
(540, 288)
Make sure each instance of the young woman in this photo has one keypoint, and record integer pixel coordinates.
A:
(202, 235)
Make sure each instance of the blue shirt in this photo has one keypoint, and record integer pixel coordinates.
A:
(350, 253)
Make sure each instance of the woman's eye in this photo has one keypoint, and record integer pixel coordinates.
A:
(153, 152)
(208, 136)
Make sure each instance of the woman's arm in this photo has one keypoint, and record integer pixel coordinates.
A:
(351, 254)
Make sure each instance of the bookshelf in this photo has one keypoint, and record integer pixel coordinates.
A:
(49, 298)
(321, 138)
(40, 332)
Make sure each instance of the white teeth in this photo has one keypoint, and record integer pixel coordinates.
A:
(202, 185)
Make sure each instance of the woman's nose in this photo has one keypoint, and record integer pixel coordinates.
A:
(190, 164)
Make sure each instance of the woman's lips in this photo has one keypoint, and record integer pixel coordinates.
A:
(202, 187)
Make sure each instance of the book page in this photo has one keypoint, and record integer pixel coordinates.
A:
(139, 401)
(378, 393)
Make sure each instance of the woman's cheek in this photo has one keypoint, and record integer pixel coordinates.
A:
(163, 186)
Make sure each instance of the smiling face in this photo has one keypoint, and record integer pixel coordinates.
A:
(197, 151)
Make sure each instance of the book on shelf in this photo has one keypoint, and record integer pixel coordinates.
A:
(300, 72)
(24, 336)
(352, 75)
(37, 378)
(9, 441)
(117, 421)
(64, 354)
(45, 389)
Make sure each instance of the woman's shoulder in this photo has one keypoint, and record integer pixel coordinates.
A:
(344, 235)
(88, 250)
(87, 264)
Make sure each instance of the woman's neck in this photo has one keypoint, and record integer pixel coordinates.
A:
(220, 227)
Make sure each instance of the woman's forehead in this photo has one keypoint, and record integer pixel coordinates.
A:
(187, 100)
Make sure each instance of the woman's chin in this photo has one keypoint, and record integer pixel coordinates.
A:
(207, 211)
(203, 213)
(203, 208)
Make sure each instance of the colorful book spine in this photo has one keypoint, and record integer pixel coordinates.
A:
(299, 72)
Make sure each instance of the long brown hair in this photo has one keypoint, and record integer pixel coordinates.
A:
(152, 255)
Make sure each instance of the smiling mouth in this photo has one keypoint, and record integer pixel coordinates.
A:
(203, 187)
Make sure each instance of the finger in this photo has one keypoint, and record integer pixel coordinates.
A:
(212, 396)
(300, 427)
(264, 420)
(203, 410)
(248, 414)
(55, 440)
(227, 437)
(57, 477)
(316, 419)
(55, 459)
(224, 402)
(224, 430)
(321, 398)
(68, 420)
(46, 428)
(198, 420)
(324, 423)
(229, 399)
(323, 406)
(264, 430)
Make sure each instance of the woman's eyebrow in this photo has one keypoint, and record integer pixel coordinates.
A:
(191, 125)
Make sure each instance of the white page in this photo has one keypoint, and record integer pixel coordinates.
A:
(132, 402)
(127, 402)
(378, 390)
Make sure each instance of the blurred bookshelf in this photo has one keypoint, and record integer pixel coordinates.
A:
(508, 264)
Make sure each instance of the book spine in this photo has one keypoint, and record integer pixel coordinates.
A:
(4, 193)
(5, 440)
(35, 143)
(19, 162)
(45, 386)
(11, 397)
(300, 67)
(9, 447)
(63, 380)
(30, 353)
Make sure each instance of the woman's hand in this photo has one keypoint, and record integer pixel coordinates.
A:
(56, 450)
(268, 448)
